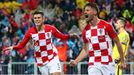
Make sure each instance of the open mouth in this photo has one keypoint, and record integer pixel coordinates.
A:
(86, 15)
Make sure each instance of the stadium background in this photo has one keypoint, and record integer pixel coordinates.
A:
(66, 15)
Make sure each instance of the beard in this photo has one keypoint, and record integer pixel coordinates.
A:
(89, 17)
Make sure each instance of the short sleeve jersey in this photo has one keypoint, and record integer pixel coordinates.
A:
(45, 51)
(100, 43)
(125, 40)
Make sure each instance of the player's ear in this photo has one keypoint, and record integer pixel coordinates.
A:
(44, 18)
(95, 12)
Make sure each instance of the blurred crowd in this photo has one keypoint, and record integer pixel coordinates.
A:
(66, 15)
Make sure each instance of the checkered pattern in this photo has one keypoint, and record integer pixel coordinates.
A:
(45, 51)
(43, 47)
(100, 45)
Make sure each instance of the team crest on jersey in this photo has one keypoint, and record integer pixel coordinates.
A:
(48, 35)
(101, 31)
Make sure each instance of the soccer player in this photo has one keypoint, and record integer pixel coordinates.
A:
(124, 39)
(98, 35)
(45, 52)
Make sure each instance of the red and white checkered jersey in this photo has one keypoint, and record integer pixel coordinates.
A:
(45, 51)
(100, 43)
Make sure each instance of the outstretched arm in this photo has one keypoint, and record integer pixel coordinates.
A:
(24, 41)
(20, 44)
(58, 34)
(8, 49)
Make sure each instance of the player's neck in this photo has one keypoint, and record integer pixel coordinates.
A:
(95, 21)
(39, 28)
(121, 30)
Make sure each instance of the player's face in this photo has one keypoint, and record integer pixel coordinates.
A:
(89, 13)
(118, 24)
(38, 19)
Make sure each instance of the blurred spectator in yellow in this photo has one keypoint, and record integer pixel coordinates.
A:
(9, 6)
(132, 20)
(126, 14)
(102, 14)
(81, 3)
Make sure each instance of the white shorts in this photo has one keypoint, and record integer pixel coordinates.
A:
(53, 66)
(102, 70)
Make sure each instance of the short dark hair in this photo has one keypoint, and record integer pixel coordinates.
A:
(38, 12)
(123, 20)
(92, 5)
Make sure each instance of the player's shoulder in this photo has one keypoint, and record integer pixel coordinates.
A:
(103, 22)
(32, 29)
(125, 34)
(88, 26)
(49, 26)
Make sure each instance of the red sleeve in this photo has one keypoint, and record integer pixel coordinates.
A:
(111, 31)
(84, 36)
(58, 34)
(23, 42)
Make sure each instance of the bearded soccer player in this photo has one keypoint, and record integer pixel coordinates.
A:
(45, 52)
(124, 39)
(98, 35)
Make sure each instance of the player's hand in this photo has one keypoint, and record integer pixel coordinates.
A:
(73, 63)
(122, 64)
(7, 49)
(74, 35)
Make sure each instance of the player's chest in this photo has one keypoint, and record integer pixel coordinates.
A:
(94, 34)
(41, 35)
